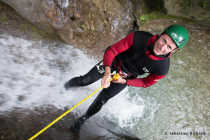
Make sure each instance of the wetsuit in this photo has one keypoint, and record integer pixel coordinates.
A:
(131, 57)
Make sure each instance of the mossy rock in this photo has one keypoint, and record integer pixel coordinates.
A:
(3, 19)
(159, 15)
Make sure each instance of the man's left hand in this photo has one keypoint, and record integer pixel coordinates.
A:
(120, 80)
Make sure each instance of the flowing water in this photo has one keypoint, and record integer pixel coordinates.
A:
(32, 74)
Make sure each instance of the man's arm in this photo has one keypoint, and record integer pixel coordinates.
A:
(117, 48)
(110, 54)
(150, 80)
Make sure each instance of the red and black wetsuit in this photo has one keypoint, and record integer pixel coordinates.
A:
(132, 55)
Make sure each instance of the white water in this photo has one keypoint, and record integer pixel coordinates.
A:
(33, 73)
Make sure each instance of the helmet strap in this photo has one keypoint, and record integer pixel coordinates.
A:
(173, 52)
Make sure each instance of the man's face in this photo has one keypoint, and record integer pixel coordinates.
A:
(164, 45)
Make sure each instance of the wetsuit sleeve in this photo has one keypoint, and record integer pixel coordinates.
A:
(150, 80)
(117, 48)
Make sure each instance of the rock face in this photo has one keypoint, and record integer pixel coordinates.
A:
(93, 24)
(96, 24)
(17, 125)
(196, 9)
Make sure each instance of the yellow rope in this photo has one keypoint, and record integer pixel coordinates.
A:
(115, 77)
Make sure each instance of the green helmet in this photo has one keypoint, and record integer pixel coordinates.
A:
(178, 34)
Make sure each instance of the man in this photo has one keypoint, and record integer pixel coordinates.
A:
(138, 53)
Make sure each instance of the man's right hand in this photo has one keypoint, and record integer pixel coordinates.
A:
(105, 82)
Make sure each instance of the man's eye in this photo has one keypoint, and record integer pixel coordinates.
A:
(164, 41)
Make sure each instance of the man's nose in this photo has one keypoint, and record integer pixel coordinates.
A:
(163, 47)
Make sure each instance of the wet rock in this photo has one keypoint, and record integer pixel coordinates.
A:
(22, 124)
(196, 9)
(90, 24)
(12, 23)
(193, 9)
(21, 98)
(93, 25)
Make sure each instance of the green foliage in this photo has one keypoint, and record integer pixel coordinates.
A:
(191, 3)
(204, 4)
(3, 19)
(155, 5)
(154, 15)
(186, 3)
(158, 15)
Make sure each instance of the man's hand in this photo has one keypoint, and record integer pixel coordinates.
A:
(119, 80)
(105, 82)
